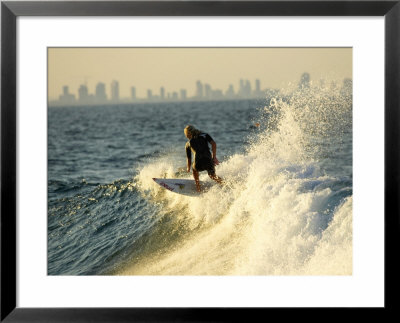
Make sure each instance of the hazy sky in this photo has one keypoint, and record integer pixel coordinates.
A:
(180, 68)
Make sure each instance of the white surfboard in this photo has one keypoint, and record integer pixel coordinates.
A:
(182, 186)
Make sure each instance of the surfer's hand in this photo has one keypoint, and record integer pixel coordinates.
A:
(216, 162)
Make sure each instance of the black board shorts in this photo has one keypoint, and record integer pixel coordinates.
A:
(204, 164)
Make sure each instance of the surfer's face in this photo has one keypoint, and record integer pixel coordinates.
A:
(188, 135)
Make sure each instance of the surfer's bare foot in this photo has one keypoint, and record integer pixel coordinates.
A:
(218, 179)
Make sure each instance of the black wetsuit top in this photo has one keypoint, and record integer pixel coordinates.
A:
(202, 155)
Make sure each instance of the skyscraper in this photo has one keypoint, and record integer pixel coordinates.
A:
(230, 93)
(241, 88)
(245, 88)
(248, 89)
(101, 93)
(162, 93)
(133, 93)
(83, 94)
(65, 90)
(66, 97)
(183, 94)
(115, 91)
(199, 90)
(208, 91)
(257, 91)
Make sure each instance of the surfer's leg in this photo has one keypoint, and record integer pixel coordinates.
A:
(196, 179)
(211, 172)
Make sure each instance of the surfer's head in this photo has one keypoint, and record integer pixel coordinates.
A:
(191, 132)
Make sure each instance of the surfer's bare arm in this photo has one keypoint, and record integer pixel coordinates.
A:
(188, 156)
(214, 152)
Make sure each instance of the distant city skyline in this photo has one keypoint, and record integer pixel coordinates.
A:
(204, 92)
(177, 69)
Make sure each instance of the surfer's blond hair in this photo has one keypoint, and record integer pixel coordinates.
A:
(192, 130)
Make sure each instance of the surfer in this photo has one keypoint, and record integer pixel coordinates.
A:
(203, 160)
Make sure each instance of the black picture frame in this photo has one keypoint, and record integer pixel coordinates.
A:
(11, 10)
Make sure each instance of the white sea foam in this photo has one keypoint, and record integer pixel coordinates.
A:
(279, 212)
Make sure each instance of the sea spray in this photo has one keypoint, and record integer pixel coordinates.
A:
(284, 207)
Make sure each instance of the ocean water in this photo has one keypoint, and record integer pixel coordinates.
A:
(285, 208)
